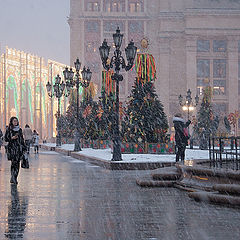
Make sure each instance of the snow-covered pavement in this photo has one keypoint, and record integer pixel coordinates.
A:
(105, 154)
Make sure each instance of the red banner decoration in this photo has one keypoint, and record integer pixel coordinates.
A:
(146, 67)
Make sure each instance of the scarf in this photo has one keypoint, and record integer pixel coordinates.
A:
(16, 128)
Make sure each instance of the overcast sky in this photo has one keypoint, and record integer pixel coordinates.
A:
(36, 26)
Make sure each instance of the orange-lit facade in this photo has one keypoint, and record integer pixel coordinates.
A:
(23, 79)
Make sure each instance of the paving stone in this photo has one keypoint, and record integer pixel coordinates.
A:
(233, 189)
(215, 198)
(64, 199)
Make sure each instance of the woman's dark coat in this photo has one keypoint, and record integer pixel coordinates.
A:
(179, 125)
(16, 147)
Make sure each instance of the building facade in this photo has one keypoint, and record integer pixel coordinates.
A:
(23, 79)
(195, 43)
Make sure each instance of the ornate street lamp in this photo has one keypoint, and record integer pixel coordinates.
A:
(76, 81)
(188, 105)
(58, 90)
(118, 61)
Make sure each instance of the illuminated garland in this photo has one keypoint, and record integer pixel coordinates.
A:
(108, 85)
(11, 84)
(24, 89)
(43, 103)
(146, 67)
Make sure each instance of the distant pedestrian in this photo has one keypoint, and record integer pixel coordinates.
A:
(1, 139)
(181, 136)
(35, 141)
(27, 134)
(16, 147)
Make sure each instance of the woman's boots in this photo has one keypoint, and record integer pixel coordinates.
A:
(14, 172)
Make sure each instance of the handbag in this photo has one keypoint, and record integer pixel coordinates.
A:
(25, 162)
(186, 133)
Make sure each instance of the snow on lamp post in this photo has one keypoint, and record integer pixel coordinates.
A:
(57, 90)
(119, 62)
(77, 81)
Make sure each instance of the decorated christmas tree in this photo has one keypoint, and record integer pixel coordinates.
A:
(105, 118)
(145, 120)
(107, 105)
(206, 124)
(69, 120)
(90, 114)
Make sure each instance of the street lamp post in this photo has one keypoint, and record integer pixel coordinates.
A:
(77, 81)
(57, 90)
(118, 61)
(188, 106)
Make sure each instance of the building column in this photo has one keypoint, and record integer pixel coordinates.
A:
(191, 69)
(160, 49)
(163, 69)
(232, 75)
(34, 95)
(191, 65)
(81, 53)
(26, 85)
(76, 40)
(21, 97)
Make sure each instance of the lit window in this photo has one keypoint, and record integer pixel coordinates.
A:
(89, 7)
(93, 6)
(219, 46)
(135, 6)
(89, 47)
(120, 7)
(138, 7)
(114, 5)
(108, 7)
(132, 7)
(219, 87)
(96, 7)
(201, 84)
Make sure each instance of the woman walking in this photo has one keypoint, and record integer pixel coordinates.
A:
(16, 147)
